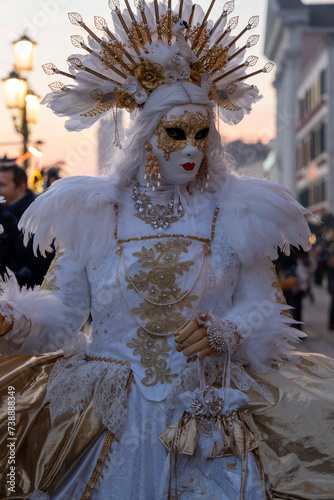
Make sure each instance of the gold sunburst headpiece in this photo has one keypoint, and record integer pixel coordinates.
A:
(155, 46)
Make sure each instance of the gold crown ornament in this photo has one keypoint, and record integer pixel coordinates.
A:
(149, 46)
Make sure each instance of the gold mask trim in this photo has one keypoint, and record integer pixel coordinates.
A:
(191, 123)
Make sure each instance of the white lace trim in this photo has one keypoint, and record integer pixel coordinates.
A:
(213, 368)
(189, 380)
(74, 382)
(224, 258)
(244, 382)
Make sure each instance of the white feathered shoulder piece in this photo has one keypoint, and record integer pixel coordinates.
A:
(74, 213)
(258, 216)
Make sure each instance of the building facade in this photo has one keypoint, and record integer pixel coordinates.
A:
(300, 40)
(248, 159)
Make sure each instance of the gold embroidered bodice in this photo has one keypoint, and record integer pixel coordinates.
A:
(168, 292)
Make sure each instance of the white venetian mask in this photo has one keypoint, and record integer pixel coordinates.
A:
(180, 142)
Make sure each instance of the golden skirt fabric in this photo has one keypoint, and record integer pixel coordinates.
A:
(44, 455)
(296, 433)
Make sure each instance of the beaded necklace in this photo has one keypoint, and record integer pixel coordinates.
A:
(204, 265)
(158, 216)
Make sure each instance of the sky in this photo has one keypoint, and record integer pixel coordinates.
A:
(46, 22)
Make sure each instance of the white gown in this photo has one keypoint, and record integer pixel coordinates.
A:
(234, 281)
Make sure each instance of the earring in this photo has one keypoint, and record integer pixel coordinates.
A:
(203, 174)
(152, 172)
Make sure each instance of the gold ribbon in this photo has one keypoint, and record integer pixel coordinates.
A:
(181, 438)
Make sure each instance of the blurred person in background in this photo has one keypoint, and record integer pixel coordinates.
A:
(50, 176)
(330, 275)
(28, 268)
(321, 258)
(14, 187)
(294, 272)
(8, 237)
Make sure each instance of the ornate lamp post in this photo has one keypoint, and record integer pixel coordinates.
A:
(23, 103)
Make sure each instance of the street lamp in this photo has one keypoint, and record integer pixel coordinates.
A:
(15, 89)
(24, 54)
(32, 107)
(18, 98)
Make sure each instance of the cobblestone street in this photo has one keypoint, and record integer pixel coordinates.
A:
(315, 317)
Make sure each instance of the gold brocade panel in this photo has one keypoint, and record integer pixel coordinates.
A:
(165, 306)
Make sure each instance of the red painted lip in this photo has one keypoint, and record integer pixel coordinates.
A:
(188, 166)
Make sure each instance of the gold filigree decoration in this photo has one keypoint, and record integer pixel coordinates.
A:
(58, 87)
(49, 68)
(196, 73)
(139, 35)
(214, 59)
(49, 281)
(191, 124)
(112, 53)
(199, 37)
(114, 4)
(222, 99)
(157, 278)
(100, 23)
(75, 18)
(77, 41)
(107, 101)
(97, 94)
(74, 62)
(165, 28)
(126, 101)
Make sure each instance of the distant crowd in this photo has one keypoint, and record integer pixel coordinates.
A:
(28, 268)
(300, 270)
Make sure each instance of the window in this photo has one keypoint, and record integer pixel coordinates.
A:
(303, 198)
(323, 82)
(313, 96)
(313, 194)
(311, 146)
(323, 138)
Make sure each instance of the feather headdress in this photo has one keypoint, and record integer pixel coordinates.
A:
(154, 46)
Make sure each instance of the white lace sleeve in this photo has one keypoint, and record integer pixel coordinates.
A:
(260, 314)
(46, 318)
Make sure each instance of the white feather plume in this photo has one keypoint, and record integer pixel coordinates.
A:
(260, 216)
(24, 299)
(74, 212)
(25, 309)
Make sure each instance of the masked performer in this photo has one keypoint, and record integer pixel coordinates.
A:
(187, 368)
